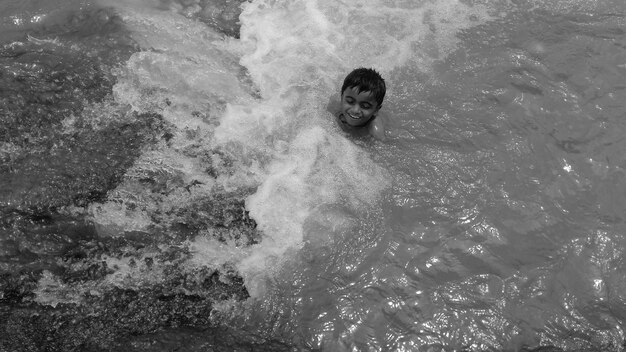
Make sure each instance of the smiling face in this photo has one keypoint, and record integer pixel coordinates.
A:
(357, 108)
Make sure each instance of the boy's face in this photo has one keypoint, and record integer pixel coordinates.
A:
(358, 108)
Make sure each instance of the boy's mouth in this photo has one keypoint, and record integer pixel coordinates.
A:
(354, 117)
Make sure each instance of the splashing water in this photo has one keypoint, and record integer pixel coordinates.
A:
(211, 173)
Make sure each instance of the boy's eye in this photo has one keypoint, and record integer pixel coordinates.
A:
(349, 100)
(366, 106)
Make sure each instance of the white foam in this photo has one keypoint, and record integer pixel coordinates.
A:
(282, 139)
(297, 52)
(186, 74)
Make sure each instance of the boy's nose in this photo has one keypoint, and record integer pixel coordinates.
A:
(354, 110)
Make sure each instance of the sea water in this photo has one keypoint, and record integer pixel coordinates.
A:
(491, 218)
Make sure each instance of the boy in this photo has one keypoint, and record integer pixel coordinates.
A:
(362, 97)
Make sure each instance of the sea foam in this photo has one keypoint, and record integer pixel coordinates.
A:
(260, 101)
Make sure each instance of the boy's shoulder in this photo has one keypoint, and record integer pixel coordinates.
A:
(378, 127)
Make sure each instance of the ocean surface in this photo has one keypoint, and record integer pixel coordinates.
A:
(170, 178)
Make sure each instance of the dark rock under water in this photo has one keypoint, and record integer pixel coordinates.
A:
(54, 163)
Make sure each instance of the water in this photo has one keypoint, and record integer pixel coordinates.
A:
(172, 180)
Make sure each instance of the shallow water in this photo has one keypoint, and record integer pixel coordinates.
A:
(171, 178)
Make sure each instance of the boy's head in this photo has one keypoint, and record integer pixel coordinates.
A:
(366, 80)
(362, 96)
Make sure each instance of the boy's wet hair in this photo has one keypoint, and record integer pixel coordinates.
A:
(366, 80)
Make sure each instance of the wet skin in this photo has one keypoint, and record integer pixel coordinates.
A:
(357, 108)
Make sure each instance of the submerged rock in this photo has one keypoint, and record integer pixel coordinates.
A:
(64, 146)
